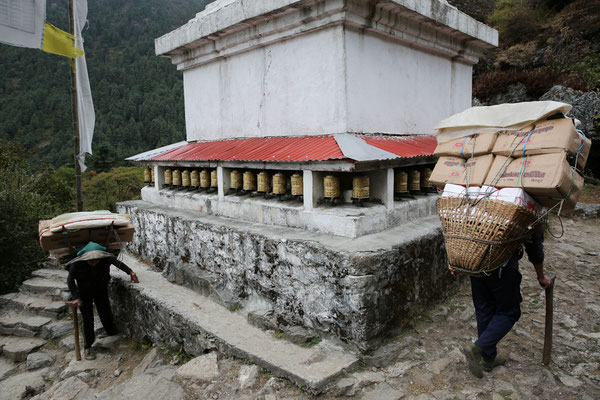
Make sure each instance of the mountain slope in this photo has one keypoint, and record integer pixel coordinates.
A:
(138, 97)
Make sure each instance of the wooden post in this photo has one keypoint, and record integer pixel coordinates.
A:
(549, 321)
(75, 116)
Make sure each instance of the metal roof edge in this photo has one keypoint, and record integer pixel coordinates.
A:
(357, 149)
(147, 155)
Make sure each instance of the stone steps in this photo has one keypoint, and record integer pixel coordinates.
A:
(36, 305)
(56, 289)
(17, 348)
(54, 274)
(23, 325)
(179, 317)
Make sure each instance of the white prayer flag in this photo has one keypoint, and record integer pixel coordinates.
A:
(85, 105)
(22, 22)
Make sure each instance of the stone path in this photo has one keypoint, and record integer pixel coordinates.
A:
(421, 361)
(27, 319)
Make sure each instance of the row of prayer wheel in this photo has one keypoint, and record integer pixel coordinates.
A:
(191, 179)
(414, 180)
(263, 182)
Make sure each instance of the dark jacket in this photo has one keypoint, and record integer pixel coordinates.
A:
(534, 248)
(85, 279)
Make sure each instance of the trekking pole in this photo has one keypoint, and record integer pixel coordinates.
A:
(73, 308)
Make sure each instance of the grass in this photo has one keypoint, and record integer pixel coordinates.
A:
(234, 307)
(505, 394)
(312, 341)
(590, 194)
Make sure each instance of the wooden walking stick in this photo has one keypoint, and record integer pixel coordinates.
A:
(73, 308)
(548, 328)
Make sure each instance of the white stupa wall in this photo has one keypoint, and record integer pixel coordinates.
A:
(313, 67)
(292, 87)
(394, 88)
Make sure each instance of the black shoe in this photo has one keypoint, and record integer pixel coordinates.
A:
(489, 364)
(473, 355)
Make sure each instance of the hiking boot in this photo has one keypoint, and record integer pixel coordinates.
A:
(89, 354)
(474, 357)
(489, 364)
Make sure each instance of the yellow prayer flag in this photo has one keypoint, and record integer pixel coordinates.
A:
(59, 42)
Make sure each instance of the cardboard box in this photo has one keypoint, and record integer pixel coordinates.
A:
(78, 239)
(542, 176)
(473, 145)
(457, 170)
(552, 136)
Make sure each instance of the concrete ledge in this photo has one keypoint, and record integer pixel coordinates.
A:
(237, 15)
(351, 289)
(172, 315)
(342, 220)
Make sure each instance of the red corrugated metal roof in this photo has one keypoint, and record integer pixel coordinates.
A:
(285, 148)
(404, 146)
(293, 148)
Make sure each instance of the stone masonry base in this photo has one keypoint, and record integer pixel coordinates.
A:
(351, 289)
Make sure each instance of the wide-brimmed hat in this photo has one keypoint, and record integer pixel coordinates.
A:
(91, 255)
(91, 251)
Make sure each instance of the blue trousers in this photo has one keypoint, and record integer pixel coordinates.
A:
(497, 300)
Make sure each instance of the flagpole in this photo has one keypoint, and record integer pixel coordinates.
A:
(75, 116)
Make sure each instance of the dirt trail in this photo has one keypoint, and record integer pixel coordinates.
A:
(424, 361)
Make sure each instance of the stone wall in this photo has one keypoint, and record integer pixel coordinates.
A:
(347, 288)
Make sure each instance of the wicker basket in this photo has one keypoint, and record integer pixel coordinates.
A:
(481, 235)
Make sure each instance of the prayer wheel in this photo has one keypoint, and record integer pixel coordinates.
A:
(194, 179)
(297, 185)
(332, 187)
(147, 175)
(264, 182)
(213, 179)
(185, 178)
(235, 180)
(176, 177)
(279, 183)
(360, 187)
(425, 175)
(401, 182)
(204, 179)
(151, 174)
(168, 177)
(249, 182)
(414, 180)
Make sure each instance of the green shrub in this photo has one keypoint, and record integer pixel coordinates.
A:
(25, 197)
(517, 20)
(537, 81)
(101, 191)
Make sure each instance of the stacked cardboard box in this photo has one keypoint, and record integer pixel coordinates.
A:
(536, 159)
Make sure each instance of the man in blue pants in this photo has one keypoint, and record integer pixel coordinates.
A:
(497, 300)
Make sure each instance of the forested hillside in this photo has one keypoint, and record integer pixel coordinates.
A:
(138, 97)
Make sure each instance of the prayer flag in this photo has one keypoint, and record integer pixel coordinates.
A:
(22, 22)
(59, 42)
(85, 105)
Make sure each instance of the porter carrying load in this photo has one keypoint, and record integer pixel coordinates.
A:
(499, 166)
